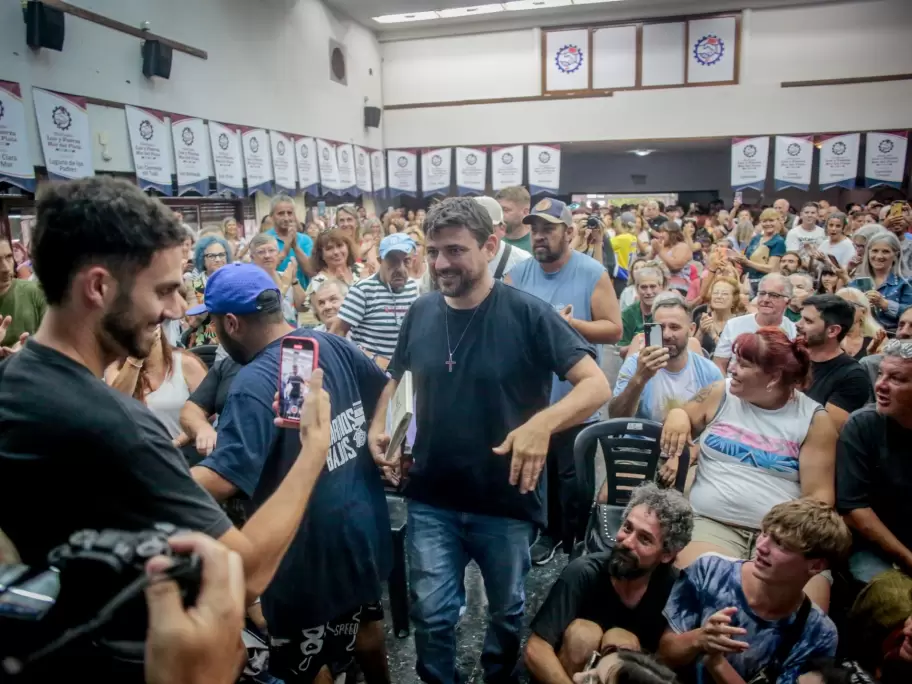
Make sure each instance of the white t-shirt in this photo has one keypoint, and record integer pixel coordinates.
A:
(517, 256)
(745, 324)
(842, 251)
(798, 237)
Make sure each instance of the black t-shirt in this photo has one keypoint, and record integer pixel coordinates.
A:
(213, 390)
(505, 359)
(873, 470)
(584, 592)
(706, 341)
(841, 382)
(76, 454)
(296, 382)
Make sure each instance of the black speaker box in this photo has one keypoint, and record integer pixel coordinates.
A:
(44, 27)
(371, 117)
(156, 59)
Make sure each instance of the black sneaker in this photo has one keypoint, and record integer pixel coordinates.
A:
(543, 550)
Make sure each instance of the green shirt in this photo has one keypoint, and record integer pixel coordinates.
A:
(25, 302)
(525, 242)
(793, 316)
(632, 321)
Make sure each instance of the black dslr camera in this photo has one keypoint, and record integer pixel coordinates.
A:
(87, 608)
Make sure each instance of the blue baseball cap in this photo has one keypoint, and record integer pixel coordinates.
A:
(236, 289)
(397, 242)
(552, 210)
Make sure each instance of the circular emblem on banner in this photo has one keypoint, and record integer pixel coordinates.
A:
(506, 158)
(187, 136)
(794, 149)
(376, 161)
(254, 145)
(569, 59)
(280, 148)
(750, 151)
(326, 153)
(839, 148)
(402, 161)
(61, 118)
(361, 159)
(544, 205)
(885, 146)
(304, 152)
(344, 156)
(223, 141)
(2, 111)
(471, 159)
(436, 160)
(544, 157)
(709, 50)
(145, 129)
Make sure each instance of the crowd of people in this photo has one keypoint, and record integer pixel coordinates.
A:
(140, 382)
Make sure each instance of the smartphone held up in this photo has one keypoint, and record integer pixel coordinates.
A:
(299, 358)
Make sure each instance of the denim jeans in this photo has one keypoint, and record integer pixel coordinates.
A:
(865, 563)
(441, 543)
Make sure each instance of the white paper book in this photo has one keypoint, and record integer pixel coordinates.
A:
(401, 410)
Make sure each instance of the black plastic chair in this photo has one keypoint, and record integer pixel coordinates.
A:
(206, 354)
(631, 449)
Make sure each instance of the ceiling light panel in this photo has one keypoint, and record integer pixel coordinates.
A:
(403, 18)
(593, 2)
(535, 4)
(470, 11)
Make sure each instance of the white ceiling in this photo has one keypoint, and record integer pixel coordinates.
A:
(363, 11)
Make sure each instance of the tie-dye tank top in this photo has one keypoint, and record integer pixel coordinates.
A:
(749, 459)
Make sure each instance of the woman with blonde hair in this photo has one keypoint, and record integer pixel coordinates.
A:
(763, 252)
(231, 232)
(866, 334)
(418, 263)
(724, 303)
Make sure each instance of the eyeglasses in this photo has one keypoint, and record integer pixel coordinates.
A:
(268, 251)
(216, 256)
(771, 295)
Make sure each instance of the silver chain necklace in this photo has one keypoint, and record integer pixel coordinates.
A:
(446, 319)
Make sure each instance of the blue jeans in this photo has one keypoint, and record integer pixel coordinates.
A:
(441, 543)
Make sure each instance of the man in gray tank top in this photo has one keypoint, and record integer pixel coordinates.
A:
(579, 288)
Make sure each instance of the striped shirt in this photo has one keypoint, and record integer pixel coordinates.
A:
(375, 313)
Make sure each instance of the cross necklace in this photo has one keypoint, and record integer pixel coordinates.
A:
(446, 319)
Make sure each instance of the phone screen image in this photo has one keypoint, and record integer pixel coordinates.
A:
(294, 382)
(653, 334)
(864, 284)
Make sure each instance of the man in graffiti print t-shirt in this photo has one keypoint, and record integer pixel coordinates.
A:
(327, 587)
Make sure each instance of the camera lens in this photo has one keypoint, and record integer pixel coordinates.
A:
(592, 222)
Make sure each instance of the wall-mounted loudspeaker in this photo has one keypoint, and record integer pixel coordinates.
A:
(371, 117)
(156, 59)
(44, 27)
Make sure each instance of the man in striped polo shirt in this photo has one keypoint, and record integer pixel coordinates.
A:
(374, 307)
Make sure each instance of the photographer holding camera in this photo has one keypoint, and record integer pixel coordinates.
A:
(77, 454)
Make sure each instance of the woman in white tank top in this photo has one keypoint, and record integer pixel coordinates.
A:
(761, 442)
(163, 381)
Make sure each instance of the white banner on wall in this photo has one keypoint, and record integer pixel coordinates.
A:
(283, 162)
(567, 63)
(793, 160)
(257, 162)
(471, 170)
(63, 125)
(544, 169)
(378, 172)
(436, 170)
(15, 166)
(885, 158)
(150, 138)
(345, 158)
(506, 167)
(362, 169)
(711, 50)
(749, 160)
(191, 156)
(329, 167)
(226, 158)
(402, 175)
(308, 168)
(838, 160)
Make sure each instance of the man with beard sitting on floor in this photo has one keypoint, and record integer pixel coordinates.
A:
(612, 599)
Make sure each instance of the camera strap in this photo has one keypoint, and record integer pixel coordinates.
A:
(502, 265)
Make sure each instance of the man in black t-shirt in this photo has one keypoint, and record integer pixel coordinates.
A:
(75, 453)
(874, 471)
(294, 390)
(616, 598)
(482, 355)
(838, 382)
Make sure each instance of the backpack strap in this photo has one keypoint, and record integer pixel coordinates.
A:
(502, 265)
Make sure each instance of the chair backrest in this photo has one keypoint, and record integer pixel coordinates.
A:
(631, 448)
(206, 353)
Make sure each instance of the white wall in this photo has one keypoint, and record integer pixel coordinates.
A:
(268, 66)
(867, 38)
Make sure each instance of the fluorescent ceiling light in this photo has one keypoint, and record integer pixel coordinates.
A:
(593, 2)
(535, 4)
(401, 18)
(642, 153)
(470, 11)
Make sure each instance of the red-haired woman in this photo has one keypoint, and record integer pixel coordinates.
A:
(762, 442)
